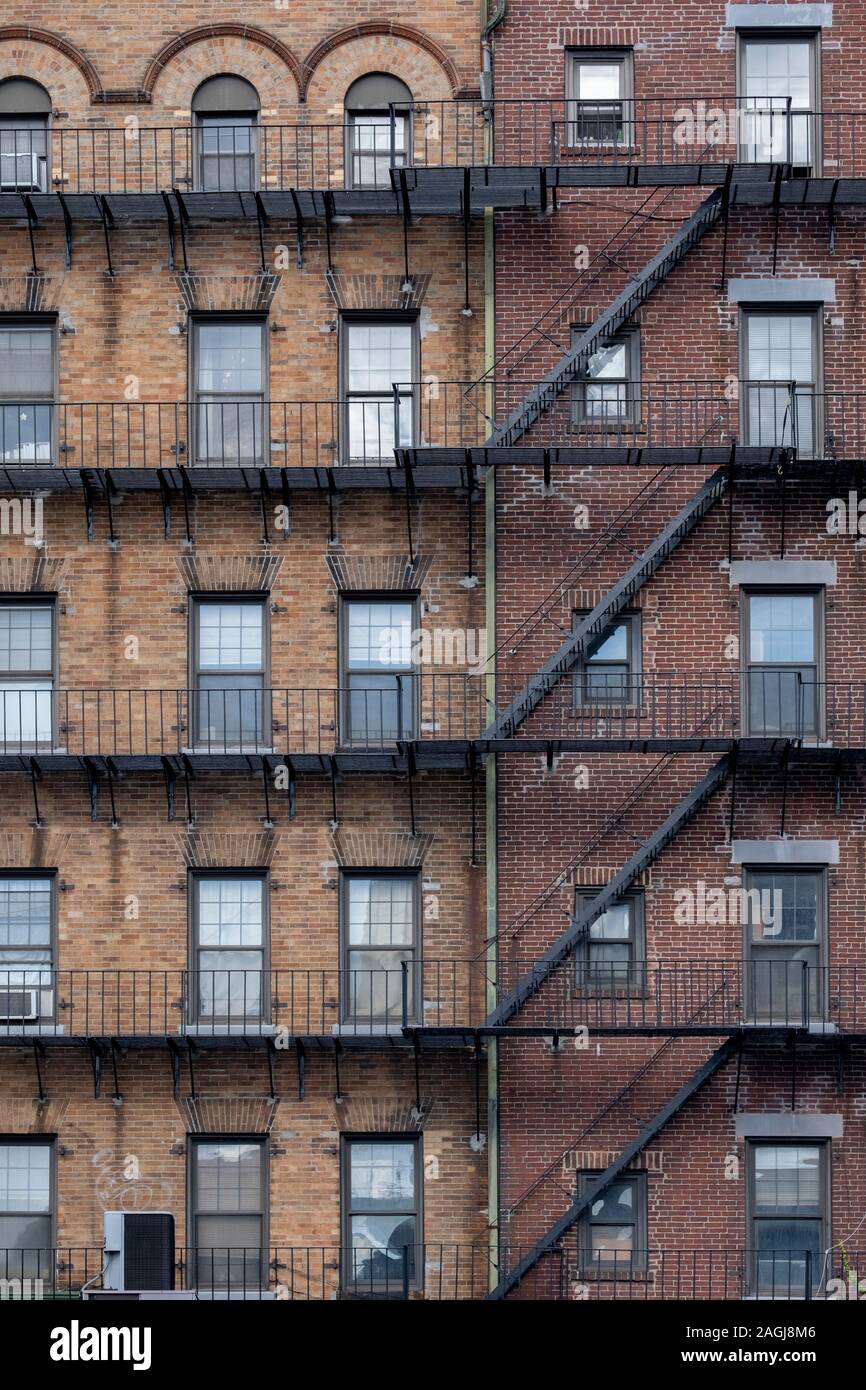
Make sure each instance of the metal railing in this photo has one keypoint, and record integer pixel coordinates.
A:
(774, 988)
(586, 413)
(593, 705)
(361, 1002)
(435, 1271)
(600, 135)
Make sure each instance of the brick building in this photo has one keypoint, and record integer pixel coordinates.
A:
(432, 707)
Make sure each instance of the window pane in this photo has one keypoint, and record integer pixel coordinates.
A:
(228, 1176)
(782, 627)
(25, 1247)
(229, 1251)
(382, 1250)
(380, 634)
(230, 636)
(382, 1176)
(26, 363)
(25, 1178)
(375, 985)
(787, 1179)
(25, 639)
(229, 358)
(611, 646)
(230, 985)
(596, 81)
(379, 356)
(783, 906)
(381, 911)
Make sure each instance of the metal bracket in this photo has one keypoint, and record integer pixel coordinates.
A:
(111, 772)
(777, 205)
(38, 1060)
(332, 767)
(261, 222)
(88, 502)
(411, 498)
(302, 1068)
(266, 772)
(286, 495)
(264, 503)
(32, 222)
(169, 221)
(338, 1052)
(67, 229)
(107, 224)
(272, 1085)
(174, 1059)
(831, 219)
(93, 787)
(36, 776)
(165, 497)
(95, 1049)
(188, 497)
(170, 776)
(183, 222)
(299, 223)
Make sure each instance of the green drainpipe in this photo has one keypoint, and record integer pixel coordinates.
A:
(489, 23)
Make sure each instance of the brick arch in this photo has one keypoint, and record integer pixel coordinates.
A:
(206, 32)
(34, 62)
(377, 27)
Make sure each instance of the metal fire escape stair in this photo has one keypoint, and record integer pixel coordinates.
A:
(554, 1233)
(565, 944)
(575, 361)
(616, 598)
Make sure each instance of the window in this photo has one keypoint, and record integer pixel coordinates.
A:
(377, 677)
(778, 87)
(782, 640)
(26, 942)
(609, 671)
(230, 673)
(378, 355)
(381, 1213)
(780, 365)
(613, 1230)
(611, 959)
(789, 1217)
(378, 130)
(25, 1210)
(380, 930)
(229, 940)
(229, 371)
(598, 89)
(25, 108)
(609, 393)
(27, 390)
(229, 1186)
(226, 112)
(26, 676)
(785, 930)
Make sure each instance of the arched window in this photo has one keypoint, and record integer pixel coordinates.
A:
(226, 113)
(378, 130)
(24, 111)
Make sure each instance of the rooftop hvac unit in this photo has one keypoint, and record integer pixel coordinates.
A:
(21, 173)
(139, 1251)
(18, 1005)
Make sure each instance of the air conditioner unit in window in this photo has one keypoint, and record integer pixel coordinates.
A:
(21, 173)
(19, 1005)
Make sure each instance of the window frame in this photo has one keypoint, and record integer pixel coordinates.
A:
(824, 1146)
(35, 600)
(631, 419)
(817, 592)
(48, 1141)
(347, 1211)
(197, 321)
(822, 937)
(634, 986)
(747, 309)
(609, 1269)
(50, 1015)
(193, 1212)
(403, 318)
(41, 119)
(193, 1012)
(195, 600)
(575, 57)
(347, 1019)
(813, 36)
(50, 401)
(633, 664)
(346, 598)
